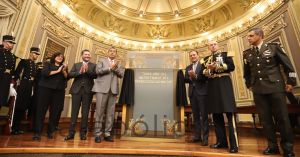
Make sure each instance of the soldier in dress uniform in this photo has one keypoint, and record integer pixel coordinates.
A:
(33, 104)
(220, 99)
(25, 73)
(263, 76)
(7, 68)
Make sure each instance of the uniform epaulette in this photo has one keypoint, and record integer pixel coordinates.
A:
(247, 50)
(273, 43)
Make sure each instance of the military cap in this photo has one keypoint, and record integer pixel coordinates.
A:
(35, 50)
(9, 38)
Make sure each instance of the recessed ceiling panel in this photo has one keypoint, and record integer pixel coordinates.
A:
(133, 4)
(187, 3)
(159, 6)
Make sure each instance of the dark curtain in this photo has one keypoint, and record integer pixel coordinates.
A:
(181, 99)
(127, 90)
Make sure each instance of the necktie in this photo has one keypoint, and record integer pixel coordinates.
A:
(111, 62)
(256, 50)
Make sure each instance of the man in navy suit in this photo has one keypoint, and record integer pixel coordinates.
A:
(197, 94)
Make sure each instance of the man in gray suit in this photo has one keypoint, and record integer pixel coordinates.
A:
(106, 87)
(84, 74)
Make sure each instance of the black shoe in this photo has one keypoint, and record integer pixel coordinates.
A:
(69, 137)
(233, 149)
(108, 138)
(218, 145)
(50, 135)
(83, 137)
(204, 143)
(289, 154)
(271, 151)
(98, 139)
(36, 137)
(195, 140)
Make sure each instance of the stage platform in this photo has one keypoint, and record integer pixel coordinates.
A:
(251, 144)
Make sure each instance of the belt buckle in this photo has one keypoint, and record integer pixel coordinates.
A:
(7, 71)
(31, 78)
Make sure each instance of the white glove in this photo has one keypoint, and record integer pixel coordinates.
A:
(12, 91)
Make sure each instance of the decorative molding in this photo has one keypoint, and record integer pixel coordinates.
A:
(247, 4)
(204, 24)
(227, 12)
(100, 52)
(114, 24)
(20, 3)
(57, 30)
(275, 24)
(93, 13)
(158, 31)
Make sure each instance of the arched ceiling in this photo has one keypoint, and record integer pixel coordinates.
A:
(160, 21)
(158, 11)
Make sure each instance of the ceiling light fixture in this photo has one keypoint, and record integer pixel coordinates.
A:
(176, 12)
(141, 13)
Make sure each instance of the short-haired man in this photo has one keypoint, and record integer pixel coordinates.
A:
(263, 76)
(197, 94)
(220, 95)
(106, 86)
(25, 73)
(84, 74)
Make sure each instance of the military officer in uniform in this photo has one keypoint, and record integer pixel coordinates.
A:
(7, 68)
(220, 94)
(263, 76)
(25, 73)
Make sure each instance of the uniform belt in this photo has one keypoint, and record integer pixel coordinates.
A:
(219, 75)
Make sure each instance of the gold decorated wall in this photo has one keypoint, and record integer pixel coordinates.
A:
(34, 24)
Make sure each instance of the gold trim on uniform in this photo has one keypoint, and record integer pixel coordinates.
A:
(219, 75)
(7, 71)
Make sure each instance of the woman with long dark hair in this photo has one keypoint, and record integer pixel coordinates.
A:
(51, 94)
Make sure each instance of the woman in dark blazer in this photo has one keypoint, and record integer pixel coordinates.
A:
(51, 93)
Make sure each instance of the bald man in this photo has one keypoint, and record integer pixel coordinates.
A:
(221, 99)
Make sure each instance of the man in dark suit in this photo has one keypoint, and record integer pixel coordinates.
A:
(106, 86)
(83, 74)
(263, 76)
(7, 68)
(197, 94)
(25, 73)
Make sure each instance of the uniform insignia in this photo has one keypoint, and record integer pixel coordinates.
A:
(292, 74)
(267, 53)
(219, 59)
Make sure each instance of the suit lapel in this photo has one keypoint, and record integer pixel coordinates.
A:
(198, 68)
(79, 65)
